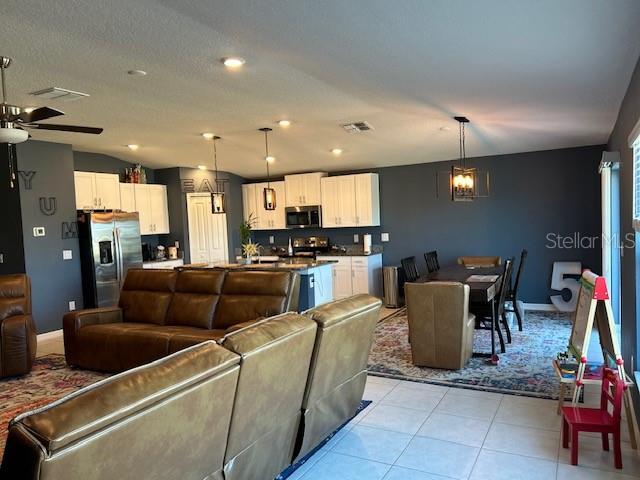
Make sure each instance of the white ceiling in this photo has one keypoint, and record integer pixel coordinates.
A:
(531, 75)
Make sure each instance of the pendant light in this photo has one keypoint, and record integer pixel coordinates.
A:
(463, 179)
(269, 193)
(217, 196)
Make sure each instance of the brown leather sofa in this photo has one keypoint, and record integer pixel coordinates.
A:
(275, 354)
(163, 311)
(338, 371)
(167, 420)
(440, 326)
(18, 339)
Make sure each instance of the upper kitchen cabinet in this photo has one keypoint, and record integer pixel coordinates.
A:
(351, 201)
(97, 191)
(303, 189)
(127, 197)
(253, 203)
(152, 208)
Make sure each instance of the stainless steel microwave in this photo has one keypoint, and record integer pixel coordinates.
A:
(304, 217)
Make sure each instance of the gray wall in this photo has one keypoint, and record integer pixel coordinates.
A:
(532, 194)
(54, 281)
(178, 219)
(628, 116)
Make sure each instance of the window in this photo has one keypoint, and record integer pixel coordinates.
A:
(636, 184)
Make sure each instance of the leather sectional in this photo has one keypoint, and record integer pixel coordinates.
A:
(163, 311)
(243, 408)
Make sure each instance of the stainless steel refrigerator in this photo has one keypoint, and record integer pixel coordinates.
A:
(109, 246)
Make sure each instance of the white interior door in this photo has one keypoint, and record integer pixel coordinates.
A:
(207, 231)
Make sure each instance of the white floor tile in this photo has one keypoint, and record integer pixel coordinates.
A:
(373, 444)
(569, 472)
(439, 457)
(307, 465)
(376, 391)
(382, 380)
(396, 419)
(411, 398)
(527, 441)
(590, 454)
(529, 412)
(334, 466)
(425, 387)
(399, 473)
(464, 406)
(505, 466)
(467, 392)
(467, 431)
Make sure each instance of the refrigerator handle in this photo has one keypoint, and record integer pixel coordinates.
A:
(118, 254)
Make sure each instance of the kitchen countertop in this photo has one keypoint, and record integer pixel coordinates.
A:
(163, 260)
(300, 265)
(352, 251)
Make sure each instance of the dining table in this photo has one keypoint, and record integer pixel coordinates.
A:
(484, 286)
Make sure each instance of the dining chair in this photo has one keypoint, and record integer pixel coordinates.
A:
(512, 295)
(480, 261)
(604, 420)
(432, 261)
(410, 269)
(484, 313)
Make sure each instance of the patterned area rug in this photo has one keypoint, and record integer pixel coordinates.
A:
(525, 368)
(49, 380)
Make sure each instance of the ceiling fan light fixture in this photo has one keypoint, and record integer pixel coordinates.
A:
(13, 135)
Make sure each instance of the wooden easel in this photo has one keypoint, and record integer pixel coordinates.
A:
(594, 305)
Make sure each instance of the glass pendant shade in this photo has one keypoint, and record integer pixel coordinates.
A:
(269, 199)
(217, 202)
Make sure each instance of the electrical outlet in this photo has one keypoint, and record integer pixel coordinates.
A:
(67, 254)
(384, 237)
(356, 238)
(271, 240)
(38, 231)
(72, 305)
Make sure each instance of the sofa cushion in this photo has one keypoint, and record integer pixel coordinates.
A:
(146, 295)
(195, 298)
(250, 295)
(190, 337)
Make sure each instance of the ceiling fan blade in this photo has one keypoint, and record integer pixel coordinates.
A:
(65, 128)
(38, 114)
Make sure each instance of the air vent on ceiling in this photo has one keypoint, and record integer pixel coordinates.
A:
(57, 93)
(357, 127)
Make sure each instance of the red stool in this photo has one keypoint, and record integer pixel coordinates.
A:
(578, 419)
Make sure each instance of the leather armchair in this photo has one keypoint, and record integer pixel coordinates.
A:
(338, 371)
(440, 325)
(18, 339)
(165, 420)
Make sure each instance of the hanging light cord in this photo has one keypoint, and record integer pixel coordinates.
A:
(266, 149)
(215, 161)
(463, 150)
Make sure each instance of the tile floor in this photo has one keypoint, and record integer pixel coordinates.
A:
(415, 431)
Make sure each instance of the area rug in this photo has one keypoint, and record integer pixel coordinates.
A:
(525, 368)
(49, 380)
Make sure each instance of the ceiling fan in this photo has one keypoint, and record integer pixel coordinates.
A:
(14, 119)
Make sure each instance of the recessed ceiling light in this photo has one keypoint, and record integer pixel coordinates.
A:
(233, 62)
(133, 146)
(28, 109)
(284, 123)
(137, 73)
(270, 159)
(202, 167)
(445, 129)
(208, 135)
(336, 151)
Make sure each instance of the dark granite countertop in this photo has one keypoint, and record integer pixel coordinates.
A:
(352, 251)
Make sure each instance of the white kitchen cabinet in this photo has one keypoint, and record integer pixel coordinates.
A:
(152, 208)
(127, 198)
(253, 203)
(303, 189)
(350, 201)
(357, 274)
(97, 191)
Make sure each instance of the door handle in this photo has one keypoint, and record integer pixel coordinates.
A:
(99, 201)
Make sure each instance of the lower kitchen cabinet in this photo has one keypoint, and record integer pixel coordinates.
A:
(358, 274)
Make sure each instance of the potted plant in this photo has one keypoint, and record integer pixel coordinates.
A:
(248, 247)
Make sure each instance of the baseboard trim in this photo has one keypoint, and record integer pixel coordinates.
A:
(541, 307)
(49, 335)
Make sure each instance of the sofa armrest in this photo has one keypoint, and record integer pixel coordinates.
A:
(72, 322)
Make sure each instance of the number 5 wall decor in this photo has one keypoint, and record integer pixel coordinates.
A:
(560, 281)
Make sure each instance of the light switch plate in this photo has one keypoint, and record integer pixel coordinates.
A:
(72, 305)
(271, 240)
(384, 237)
(356, 238)
(39, 232)
(67, 254)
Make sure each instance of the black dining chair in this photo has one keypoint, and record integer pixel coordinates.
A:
(512, 295)
(410, 269)
(432, 261)
(483, 312)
